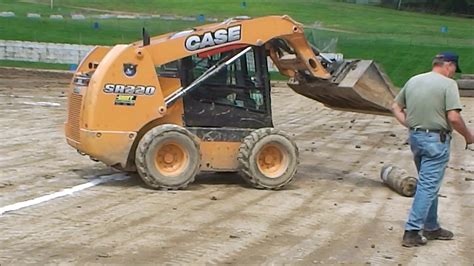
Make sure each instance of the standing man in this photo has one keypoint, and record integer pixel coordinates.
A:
(430, 107)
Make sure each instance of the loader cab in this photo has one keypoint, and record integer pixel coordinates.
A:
(237, 96)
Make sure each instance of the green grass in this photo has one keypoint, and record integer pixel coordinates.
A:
(277, 76)
(21, 9)
(400, 57)
(110, 32)
(360, 18)
(25, 64)
(402, 42)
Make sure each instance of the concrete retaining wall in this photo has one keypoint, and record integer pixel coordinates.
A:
(43, 52)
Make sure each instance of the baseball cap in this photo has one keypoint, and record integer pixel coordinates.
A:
(450, 57)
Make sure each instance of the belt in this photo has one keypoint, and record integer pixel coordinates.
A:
(430, 130)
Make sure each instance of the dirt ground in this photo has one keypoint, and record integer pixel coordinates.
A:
(336, 211)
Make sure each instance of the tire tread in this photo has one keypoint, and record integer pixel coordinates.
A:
(142, 149)
(245, 152)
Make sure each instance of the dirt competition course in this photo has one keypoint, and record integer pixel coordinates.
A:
(336, 211)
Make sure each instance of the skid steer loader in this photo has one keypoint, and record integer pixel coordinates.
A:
(199, 100)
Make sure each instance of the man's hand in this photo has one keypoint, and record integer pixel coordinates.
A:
(456, 121)
(399, 114)
(471, 139)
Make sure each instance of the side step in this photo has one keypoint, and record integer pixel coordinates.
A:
(357, 86)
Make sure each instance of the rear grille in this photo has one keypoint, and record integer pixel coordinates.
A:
(75, 101)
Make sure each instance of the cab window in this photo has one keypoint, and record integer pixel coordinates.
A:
(237, 84)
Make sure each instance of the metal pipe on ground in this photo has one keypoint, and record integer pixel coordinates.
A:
(398, 179)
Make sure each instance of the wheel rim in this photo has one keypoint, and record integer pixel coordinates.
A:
(171, 159)
(272, 160)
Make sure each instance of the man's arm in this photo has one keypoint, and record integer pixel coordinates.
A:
(456, 121)
(399, 114)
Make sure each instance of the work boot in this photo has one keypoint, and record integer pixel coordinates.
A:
(413, 239)
(440, 234)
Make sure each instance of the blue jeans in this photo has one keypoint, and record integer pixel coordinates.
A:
(431, 158)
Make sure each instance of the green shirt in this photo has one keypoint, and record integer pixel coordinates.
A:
(426, 99)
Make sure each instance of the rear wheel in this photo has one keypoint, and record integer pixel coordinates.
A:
(168, 157)
(268, 158)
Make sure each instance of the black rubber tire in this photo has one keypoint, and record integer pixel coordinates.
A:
(146, 152)
(250, 148)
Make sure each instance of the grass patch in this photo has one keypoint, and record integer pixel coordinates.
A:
(360, 18)
(22, 9)
(25, 64)
(277, 76)
(110, 32)
(401, 58)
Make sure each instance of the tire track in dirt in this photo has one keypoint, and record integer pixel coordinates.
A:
(261, 237)
(284, 233)
(363, 223)
(191, 251)
(179, 235)
(218, 250)
(114, 208)
(301, 251)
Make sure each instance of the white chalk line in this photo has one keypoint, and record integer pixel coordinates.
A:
(42, 104)
(62, 193)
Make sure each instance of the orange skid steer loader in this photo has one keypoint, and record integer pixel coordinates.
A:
(199, 100)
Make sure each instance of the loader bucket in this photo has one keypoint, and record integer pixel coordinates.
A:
(357, 86)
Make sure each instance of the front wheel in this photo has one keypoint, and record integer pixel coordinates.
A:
(268, 158)
(168, 157)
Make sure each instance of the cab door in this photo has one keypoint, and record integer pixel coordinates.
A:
(237, 96)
